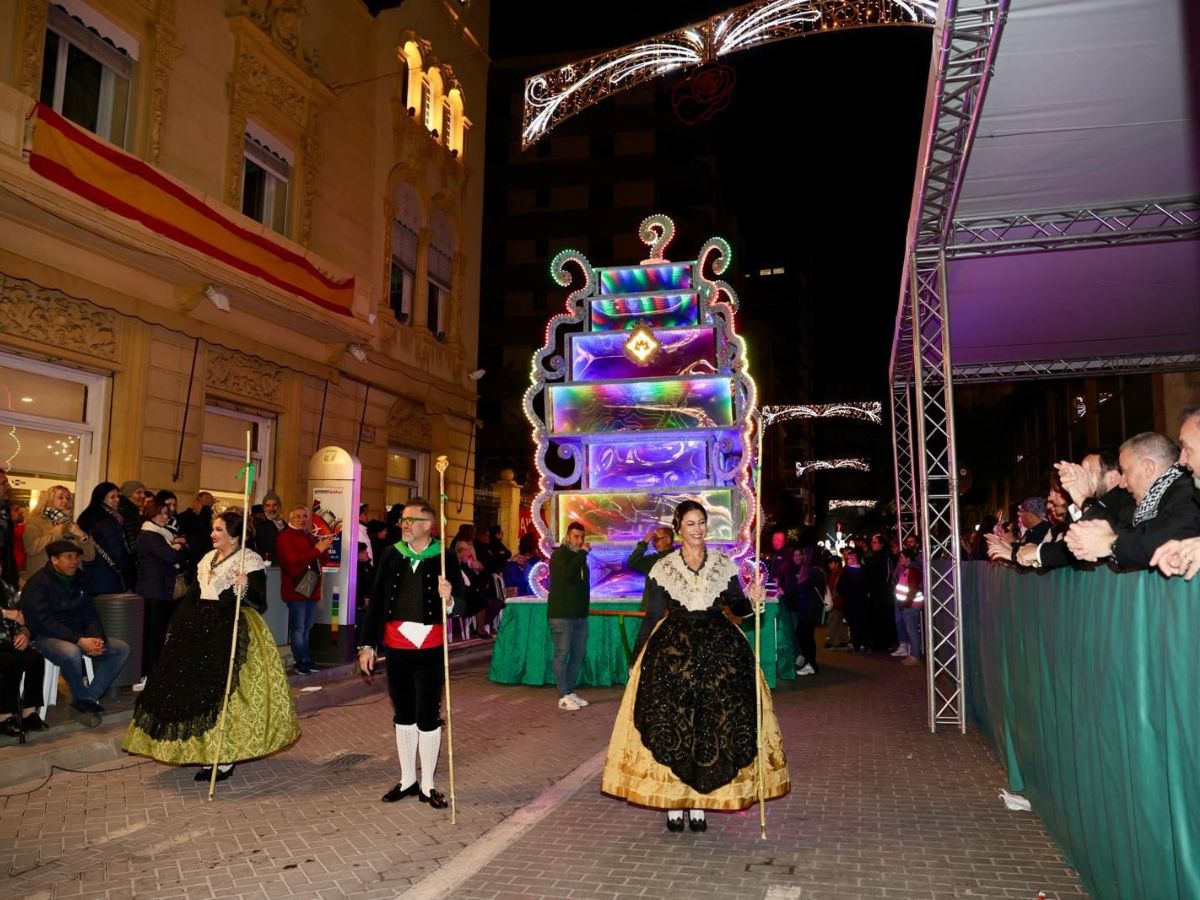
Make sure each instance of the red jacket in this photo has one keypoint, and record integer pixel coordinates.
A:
(295, 552)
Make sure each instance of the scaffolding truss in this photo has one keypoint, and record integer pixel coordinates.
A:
(921, 350)
(1028, 370)
(1142, 222)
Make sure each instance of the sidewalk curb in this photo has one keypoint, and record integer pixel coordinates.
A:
(77, 747)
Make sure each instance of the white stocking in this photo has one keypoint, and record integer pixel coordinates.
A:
(406, 749)
(431, 745)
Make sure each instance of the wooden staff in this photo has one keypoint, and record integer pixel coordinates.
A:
(442, 464)
(248, 472)
(758, 580)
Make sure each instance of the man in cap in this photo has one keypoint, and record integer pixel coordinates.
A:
(58, 608)
(1034, 529)
(271, 524)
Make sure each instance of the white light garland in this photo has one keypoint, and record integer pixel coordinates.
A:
(852, 504)
(816, 465)
(869, 411)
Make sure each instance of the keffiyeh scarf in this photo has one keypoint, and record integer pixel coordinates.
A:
(1147, 507)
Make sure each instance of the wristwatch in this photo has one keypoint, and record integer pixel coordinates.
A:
(366, 647)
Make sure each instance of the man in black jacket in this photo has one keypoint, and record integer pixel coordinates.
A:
(406, 616)
(1168, 506)
(642, 560)
(58, 608)
(1093, 487)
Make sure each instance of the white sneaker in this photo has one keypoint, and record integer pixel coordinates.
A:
(579, 701)
(800, 661)
(568, 703)
(806, 669)
(902, 650)
(140, 686)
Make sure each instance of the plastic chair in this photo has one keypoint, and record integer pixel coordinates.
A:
(50, 684)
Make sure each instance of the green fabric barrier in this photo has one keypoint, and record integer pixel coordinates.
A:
(524, 648)
(1088, 685)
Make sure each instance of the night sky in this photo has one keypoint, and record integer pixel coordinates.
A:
(815, 160)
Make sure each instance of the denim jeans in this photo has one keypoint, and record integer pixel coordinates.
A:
(901, 631)
(69, 658)
(570, 647)
(913, 625)
(300, 622)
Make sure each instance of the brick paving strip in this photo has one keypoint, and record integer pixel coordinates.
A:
(879, 808)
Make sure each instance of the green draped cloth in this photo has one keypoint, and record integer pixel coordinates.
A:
(1088, 685)
(524, 648)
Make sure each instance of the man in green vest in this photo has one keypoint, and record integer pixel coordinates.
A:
(567, 609)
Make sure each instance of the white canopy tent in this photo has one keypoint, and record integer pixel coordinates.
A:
(1055, 229)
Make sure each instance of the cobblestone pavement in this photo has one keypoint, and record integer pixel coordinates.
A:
(879, 808)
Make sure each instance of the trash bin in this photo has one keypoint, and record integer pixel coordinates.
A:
(121, 616)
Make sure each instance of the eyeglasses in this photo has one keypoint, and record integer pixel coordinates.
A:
(409, 520)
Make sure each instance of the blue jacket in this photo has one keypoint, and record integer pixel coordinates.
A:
(56, 607)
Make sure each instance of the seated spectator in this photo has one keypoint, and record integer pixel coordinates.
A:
(1094, 491)
(516, 573)
(18, 658)
(58, 608)
(1167, 506)
(477, 581)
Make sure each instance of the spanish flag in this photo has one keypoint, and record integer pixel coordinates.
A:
(97, 171)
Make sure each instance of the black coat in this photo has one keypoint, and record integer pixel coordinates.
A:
(157, 561)
(1115, 507)
(55, 609)
(109, 536)
(1178, 516)
(385, 592)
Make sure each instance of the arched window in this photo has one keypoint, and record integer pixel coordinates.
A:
(441, 260)
(433, 100)
(410, 57)
(454, 126)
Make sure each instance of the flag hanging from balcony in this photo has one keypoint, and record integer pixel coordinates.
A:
(97, 171)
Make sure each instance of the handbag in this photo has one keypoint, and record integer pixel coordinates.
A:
(112, 565)
(180, 588)
(306, 584)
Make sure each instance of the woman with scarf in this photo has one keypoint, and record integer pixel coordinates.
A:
(175, 719)
(112, 569)
(159, 553)
(51, 521)
(685, 734)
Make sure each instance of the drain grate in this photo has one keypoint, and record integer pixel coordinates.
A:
(346, 761)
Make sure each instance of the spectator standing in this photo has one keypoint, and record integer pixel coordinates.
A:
(131, 505)
(51, 522)
(9, 570)
(160, 553)
(642, 560)
(803, 587)
(195, 524)
(567, 610)
(111, 571)
(500, 553)
(910, 600)
(837, 634)
(854, 588)
(516, 573)
(298, 553)
(878, 628)
(781, 554)
(58, 608)
(272, 525)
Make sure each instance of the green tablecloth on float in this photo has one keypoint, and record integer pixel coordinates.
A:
(524, 649)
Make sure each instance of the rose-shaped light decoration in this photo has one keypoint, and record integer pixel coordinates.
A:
(704, 93)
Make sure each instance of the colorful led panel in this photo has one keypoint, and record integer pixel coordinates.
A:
(601, 355)
(628, 516)
(643, 279)
(659, 311)
(610, 578)
(641, 406)
(646, 465)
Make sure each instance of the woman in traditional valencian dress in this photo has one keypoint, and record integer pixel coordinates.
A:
(684, 738)
(175, 720)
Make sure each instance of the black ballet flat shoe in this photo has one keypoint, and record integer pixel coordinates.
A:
(399, 793)
(33, 722)
(675, 825)
(697, 824)
(205, 774)
(435, 798)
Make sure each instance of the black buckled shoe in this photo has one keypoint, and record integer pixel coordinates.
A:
(700, 824)
(435, 798)
(675, 825)
(205, 773)
(399, 793)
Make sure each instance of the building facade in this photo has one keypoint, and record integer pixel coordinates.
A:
(220, 216)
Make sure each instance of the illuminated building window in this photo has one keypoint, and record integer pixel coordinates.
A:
(400, 290)
(87, 68)
(405, 474)
(223, 454)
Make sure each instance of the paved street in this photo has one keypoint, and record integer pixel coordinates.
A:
(879, 808)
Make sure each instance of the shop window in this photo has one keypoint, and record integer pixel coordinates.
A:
(224, 454)
(51, 429)
(86, 71)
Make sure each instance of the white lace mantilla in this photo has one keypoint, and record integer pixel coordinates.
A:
(695, 590)
(214, 581)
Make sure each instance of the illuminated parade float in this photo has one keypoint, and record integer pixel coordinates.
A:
(640, 398)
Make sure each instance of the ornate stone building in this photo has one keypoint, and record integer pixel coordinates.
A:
(221, 214)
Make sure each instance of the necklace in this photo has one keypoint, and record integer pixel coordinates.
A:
(219, 560)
